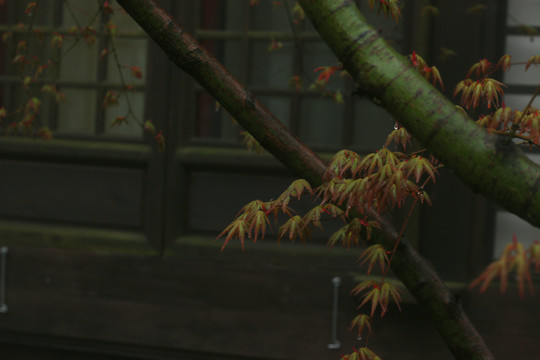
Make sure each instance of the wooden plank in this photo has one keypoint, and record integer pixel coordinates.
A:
(210, 305)
(71, 193)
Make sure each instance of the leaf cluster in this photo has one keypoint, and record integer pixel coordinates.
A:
(387, 7)
(485, 91)
(253, 219)
(33, 67)
(514, 258)
(379, 294)
(431, 73)
(364, 353)
(380, 180)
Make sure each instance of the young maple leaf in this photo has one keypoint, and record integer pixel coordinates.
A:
(313, 217)
(533, 60)
(111, 98)
(274, 45)
(149, 127)
(492, 89)
(374, 161)
(496, 268)
(379, 294)
(351, 233)
(513, 257)
(481, 68)
(521, 264)
(353, 193)
(339, 236)
(362, 322)
(136, 71)
(374, 254)
(342, 161)
(505, 62)
(294, 227)
(399, 136)
(237, 229)
(160, 141)
(418, 166)
(368, 354)
(258, 225)
(503, 115)
(534, 255)
(326, 73)
(388, 7)
(119, 120)
(297, 188)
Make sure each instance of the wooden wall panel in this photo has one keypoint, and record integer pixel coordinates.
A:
(259, 304)
(71, 193)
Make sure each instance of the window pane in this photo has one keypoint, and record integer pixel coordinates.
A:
(78, 13)
(131, 52)
(518, 102)
(80, 63)
(78, 113)
(75, 67)
(321, 122)
(269, 16)
(523, 12)
(213, 121)
(279, 106)
(212, 14)
(132, 128)
(271, 68)
(521, 48)
(372, 124)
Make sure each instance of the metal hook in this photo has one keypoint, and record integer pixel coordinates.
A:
(335, 344)
(3, 307)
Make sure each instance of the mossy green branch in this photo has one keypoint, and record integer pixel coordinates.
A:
(489, 164)
(442, 306)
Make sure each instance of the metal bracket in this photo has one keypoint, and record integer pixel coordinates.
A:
(3, 261)
(335, 344)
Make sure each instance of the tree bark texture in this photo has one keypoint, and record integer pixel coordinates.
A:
(416, 274)
(489, 164)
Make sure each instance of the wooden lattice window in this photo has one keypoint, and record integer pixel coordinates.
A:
(80, 71)
(240, 36)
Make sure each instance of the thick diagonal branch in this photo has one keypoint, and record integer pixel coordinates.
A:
(412, 269)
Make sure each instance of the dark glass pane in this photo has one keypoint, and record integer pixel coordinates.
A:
(280, 106)
(221, 14)
(268, 15)
(321, 122)
(213, 121)
(271, 68)
(371, 125)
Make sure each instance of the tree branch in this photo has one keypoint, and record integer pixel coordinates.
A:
(412, 269)
(489, 164)
(186, 53)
